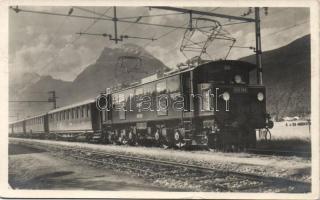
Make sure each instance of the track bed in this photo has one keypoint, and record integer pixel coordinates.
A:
(195, 171)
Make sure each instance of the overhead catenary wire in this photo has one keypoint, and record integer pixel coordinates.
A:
(98, 18)
(93, 12)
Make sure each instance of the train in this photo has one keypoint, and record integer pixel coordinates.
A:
(212, 105)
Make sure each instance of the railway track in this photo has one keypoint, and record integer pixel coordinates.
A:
(179, 175)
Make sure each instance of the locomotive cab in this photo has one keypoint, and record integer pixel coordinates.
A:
(230, 108)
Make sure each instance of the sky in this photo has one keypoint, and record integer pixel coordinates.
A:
(49, 45)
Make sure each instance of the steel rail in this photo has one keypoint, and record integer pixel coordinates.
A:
(278, 152)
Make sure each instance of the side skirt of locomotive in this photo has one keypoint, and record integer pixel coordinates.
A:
(166, 133)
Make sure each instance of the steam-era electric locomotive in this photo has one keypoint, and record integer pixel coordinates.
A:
(211, 104)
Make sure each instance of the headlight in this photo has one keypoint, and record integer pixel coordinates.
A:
(260, 96)
(237, 79)
(226, 96)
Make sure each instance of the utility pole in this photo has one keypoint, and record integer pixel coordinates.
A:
(115, 19)
(53, 98)
(258, 50)
(258, 46)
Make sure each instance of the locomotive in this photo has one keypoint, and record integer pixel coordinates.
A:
(211, 104)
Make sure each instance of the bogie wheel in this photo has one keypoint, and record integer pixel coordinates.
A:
(165, 141)
(112, 139)
(131, 138)
(178, 140)
(157, 137)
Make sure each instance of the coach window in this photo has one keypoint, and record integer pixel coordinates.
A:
(161, 87)
(83, 111)
(121, 104)
(173, 84)
(88, 111)
(139, 91)
(149, 89)
(162, 100)
(71, 113)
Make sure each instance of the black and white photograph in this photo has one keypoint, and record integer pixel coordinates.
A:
(164, 100)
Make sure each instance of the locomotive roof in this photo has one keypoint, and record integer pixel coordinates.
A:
(219, 64)
(88, 101)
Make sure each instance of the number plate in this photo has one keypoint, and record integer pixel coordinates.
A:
(240, 90)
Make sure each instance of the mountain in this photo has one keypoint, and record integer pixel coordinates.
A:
(18, 82)
(36, 90)
(287, 77)
(123, 65)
